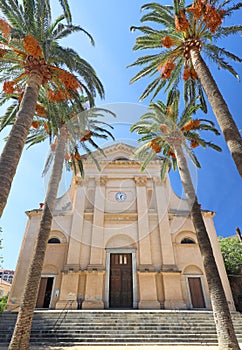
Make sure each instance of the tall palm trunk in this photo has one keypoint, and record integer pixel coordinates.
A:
(16, 140)
(220, 109)
(224, 325)
(21, 336)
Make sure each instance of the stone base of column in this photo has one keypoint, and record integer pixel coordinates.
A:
(149, 304)
(66, 304)
(93, 304)
(174, 305)
(173, 290)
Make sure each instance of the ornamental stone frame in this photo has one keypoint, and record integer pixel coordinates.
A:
(134, 271)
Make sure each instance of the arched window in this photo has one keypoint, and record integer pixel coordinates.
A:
(121, 158)
(187, 241)
(54, 240)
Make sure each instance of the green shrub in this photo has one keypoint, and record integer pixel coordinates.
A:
(3, 303)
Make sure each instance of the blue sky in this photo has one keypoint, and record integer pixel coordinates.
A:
(218, 183)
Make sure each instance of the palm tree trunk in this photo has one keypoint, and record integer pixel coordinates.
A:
(21, 336)
(224, 325)
(220, 109)
(16, 140)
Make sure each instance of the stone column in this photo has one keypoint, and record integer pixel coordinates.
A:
(162, 202)
(148, 290)
(173, 291)
(143, 223)
(73, 256)
(171, 277)
(97, 248)
(68, 290)
(146, 274)
(94, 291)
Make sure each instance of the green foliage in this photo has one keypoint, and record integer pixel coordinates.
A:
(3, 303)
(34, 17)
(162, 127)
(231, 249)
(160, 23)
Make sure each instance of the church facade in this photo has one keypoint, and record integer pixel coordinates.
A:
(120, 239)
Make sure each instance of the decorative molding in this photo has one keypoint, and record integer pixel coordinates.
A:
(141, 180)
(103, 180)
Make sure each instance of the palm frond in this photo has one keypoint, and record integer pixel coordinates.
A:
(48, 163)
(10, 115)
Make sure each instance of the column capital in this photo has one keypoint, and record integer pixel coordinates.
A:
(101, 180)
(140, 180)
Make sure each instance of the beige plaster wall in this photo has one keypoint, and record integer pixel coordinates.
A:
(152, 220)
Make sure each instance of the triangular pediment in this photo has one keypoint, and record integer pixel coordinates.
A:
(116, 151)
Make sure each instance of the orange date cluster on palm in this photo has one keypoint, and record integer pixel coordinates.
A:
(197, 9)
(5, 28)
(194, 144)
(181, 22)
(2, 53)
(9, 87)
(189, 73)
(86, 136)
(213, 18)
(207, 14)
(57, 95)
(191, 44)
(167, 41)
(191, 125)
(40, 110)
(154, 145)
(69, 80)
(39, 65)
(166, 70)
(35, 124)
(76, 156)
(171, 154)
(32, 46)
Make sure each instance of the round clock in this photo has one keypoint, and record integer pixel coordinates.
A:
(120, 196)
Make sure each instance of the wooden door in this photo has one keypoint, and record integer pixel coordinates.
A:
(121, 284)
(45, 290)
(196, 292)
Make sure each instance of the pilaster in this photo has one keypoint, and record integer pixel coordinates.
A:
(173, 290)
(148, 291)
(163, 224)
(96, 257)
(94, 290)
(68, 291)
(143, 222)
(73, 256)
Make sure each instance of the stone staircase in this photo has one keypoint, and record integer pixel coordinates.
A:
(113, 327)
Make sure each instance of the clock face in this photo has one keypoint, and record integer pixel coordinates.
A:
(120, 196)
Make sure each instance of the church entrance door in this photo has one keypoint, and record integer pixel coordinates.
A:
(45, 291)
(121, 282)
(196, 292)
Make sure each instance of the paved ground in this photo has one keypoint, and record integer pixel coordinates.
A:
(127, 347)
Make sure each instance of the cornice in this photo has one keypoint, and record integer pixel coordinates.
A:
(34, 212)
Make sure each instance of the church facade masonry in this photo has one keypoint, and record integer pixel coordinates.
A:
(120, 239)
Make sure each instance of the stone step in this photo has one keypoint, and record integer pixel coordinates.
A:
(115, 327)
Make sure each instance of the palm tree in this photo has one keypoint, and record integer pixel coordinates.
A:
(163, 131)
(70, 137)
(184, 33)
(31, 57)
